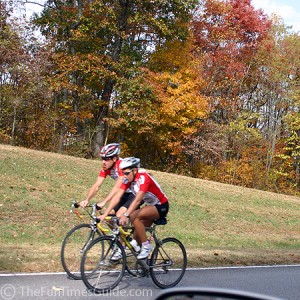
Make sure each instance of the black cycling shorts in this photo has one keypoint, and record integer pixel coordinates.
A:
(125, 201)
(162, 209)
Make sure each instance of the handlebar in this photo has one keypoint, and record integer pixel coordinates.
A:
(75, 205)
(110, 218)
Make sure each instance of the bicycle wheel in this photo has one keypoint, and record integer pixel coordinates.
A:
(99, 272)
(74, 245)
(168, 263)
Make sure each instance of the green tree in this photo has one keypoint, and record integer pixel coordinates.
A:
(99, 44)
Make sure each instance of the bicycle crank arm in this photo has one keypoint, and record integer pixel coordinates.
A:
(143, 263)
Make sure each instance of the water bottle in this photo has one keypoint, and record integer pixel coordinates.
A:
(135, 245)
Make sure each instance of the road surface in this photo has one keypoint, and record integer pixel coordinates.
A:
(279, 281)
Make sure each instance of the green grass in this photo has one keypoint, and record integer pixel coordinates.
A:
(219, 224)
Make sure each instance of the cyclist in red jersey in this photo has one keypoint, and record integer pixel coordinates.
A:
(110, 167)
(145, 189)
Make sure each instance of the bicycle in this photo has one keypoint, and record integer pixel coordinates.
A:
(100, 274)
(78, 238)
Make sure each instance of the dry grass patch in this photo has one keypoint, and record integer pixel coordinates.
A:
(30, 258)
(241, 257)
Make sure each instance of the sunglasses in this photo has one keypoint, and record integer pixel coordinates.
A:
(106, 158)
(127, 173)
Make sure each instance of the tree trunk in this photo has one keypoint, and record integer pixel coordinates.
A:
(98, 140)
(101, 128)
(14, 126)
(101, 131)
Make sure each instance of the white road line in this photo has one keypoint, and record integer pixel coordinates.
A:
(188, 269)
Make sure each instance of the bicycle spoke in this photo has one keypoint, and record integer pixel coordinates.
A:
(100, 273)
(168, 263)
(73, 246)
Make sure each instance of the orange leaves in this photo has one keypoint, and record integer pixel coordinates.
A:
(82, 115)
(85, 62)
(180, 97)
(177, 86)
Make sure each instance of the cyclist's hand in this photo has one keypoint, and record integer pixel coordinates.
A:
(123, 220)
(83, 203)
(101, 218)
(101, 204)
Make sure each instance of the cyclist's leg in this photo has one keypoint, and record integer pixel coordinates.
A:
(119, 208)
(123, 205)
(131, 263)
(141, 218)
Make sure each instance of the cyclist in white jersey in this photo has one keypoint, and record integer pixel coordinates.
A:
(145, 189)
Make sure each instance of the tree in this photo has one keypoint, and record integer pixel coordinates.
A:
(163, 107)
(228, 34)
(273, 92)
(253, 81)
(13, 69)
(101, 43)
(26, 117)
(227, 37)
(282, 90)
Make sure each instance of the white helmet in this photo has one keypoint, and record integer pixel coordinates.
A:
(130, 162)
(110, 150)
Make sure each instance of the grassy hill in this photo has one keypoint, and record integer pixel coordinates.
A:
(219, 224)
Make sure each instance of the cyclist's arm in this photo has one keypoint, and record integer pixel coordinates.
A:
(114, 201)
(136, 202)
(93, 191)
(113, 191)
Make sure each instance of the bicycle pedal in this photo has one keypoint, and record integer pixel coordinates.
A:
(144, 263)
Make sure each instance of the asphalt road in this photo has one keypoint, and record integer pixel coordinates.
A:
(279, 281)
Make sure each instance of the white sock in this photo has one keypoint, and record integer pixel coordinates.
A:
(145, 244)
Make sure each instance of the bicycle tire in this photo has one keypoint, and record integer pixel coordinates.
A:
(99, 272)
(168, 263)
(73, 246)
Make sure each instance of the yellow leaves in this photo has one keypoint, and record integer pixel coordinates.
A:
(85, 63)
(4, 137)
(173, 55)
(78, 72)
(64, 106)
(179, 97)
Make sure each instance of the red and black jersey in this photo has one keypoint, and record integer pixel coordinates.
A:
(145, 183)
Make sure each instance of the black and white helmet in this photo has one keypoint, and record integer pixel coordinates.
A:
(110, 150)
(130, 162)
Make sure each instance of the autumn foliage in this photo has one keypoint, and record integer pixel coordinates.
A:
(208, 89)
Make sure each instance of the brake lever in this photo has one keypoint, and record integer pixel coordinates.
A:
(74, 205)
